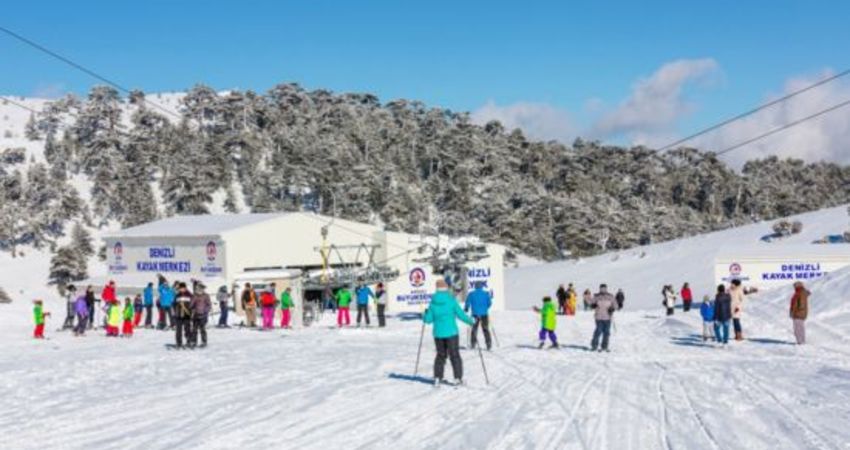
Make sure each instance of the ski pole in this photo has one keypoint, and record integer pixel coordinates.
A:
(481, 355)
(495, 336)
(419, 351)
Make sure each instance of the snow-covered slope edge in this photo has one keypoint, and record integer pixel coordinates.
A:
(642, 271)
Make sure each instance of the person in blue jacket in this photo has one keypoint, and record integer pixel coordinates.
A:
(479, 301)
(443, 312)
(166, 301)
(706, 310)
(363, 293)
(147, 302)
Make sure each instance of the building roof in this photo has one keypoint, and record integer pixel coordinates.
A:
(200, 225)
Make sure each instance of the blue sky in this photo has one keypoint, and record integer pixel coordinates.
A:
(581, 59)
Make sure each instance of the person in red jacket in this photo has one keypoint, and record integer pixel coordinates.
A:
(268, 302)
(108, 293)
(687, 297)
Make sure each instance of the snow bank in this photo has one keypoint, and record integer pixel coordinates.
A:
(642, 271)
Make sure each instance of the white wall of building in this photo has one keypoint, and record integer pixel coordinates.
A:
(768, 267)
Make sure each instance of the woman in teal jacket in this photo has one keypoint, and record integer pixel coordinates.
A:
(443, 312)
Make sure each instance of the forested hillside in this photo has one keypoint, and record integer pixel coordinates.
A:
(400, 163)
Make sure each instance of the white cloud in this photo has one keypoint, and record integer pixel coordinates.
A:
(824, 138)
(655, 103)
(537, 120)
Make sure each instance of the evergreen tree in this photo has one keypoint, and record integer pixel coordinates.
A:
(81, 240)
(31, 131)
(66, 266)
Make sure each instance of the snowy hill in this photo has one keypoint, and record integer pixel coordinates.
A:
(642, 271)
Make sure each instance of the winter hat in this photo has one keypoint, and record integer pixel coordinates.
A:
(547, 299)
(38, 301)
(441, 284)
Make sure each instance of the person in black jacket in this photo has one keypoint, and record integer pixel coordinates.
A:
(561, 294)
(182, 315)
(722, 314)
(200, 307)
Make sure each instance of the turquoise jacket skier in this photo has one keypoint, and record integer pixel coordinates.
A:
(443, 312)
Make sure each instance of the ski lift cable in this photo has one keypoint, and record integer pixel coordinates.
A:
(353, 231)
(754, 110)
(783, 127)
(84, 69)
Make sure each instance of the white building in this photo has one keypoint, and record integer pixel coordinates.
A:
(221, 250)
(771, 265)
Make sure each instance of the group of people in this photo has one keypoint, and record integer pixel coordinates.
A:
(117, 319)
(603, 304)
(268, 303)
(669, 298)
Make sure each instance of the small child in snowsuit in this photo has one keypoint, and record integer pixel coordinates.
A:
(113, 318)
(39, 314)
(129, 316)
(548, 321)
(285, 306)
(138, 307)
(706, 310)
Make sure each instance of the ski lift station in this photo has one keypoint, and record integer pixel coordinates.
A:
(307, 252)
(772, 265)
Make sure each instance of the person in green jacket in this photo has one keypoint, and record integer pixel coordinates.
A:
(343, 299)
(39, 314)
(443, 312)
(285, 306)
(548, 321)
(129, 313)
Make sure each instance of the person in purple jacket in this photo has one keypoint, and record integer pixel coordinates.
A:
(81, 309)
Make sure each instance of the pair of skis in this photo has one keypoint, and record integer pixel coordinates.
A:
(419, 353)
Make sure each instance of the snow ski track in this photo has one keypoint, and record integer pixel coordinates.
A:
(814, 438)
(705, 431)
(664, 418)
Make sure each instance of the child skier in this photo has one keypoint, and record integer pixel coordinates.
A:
(39, 314)
(129, 315)
(706, 310)
(113, 318)
(571, 300)
(138, 307)
(343, 299)
(548, 320)
(285, 306)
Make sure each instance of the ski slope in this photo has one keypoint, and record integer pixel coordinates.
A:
(322, 388)
(642, 271)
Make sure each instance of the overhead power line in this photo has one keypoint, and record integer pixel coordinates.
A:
(754, 110)
(783, 127)
(83, 69)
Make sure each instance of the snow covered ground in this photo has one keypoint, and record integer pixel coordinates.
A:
(660, 387)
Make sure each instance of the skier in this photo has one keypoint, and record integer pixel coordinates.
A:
(138, 308)
(363, 293)
(604, 305)
(129, 312)
(687, 297)
(343, 299)
(267, 301)
(561, 295)
(381, 303)
(90, 304)
(669, 301)
(108, 293)
(571, 300)
(286, 305)
(328, 297)
(722, 315)
(548, 321)
(70, 297)
(166, 303)
(587, 298)
(81, 308)
(736, 292)
(182, 315)
(249, 305)
(147, 295)
(621, 299)
(113, 318)
(200, 307)
(706, 310)
(799, 310)
(479, 301)
(39, 315)
(222, 296)
(443, 312)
